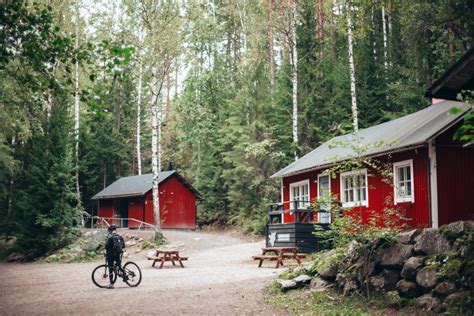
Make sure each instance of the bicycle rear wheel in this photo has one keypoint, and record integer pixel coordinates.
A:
(100, 276)
(133, 274)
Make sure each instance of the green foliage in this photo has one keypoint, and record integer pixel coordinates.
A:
(147, 244)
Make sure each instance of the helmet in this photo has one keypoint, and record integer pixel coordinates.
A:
(112, 227)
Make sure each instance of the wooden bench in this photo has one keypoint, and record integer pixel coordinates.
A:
(278, 254)
(163, 256)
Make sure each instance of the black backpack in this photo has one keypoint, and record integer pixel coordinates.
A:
(117, 245)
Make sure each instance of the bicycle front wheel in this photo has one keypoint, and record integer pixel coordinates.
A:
(132, 274)
(101, 276)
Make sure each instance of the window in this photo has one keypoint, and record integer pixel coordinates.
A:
(354, 188)
(299, 191)
(403, 181)
(324, 191)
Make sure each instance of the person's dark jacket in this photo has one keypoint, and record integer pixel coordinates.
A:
(109, 245)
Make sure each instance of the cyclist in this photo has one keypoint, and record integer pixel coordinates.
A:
(114, 248)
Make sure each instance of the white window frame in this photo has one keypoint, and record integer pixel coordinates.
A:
(396, 198)
(344, 175)
(329, 176)
(299, 183)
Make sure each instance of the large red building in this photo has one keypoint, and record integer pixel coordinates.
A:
(129, 201)
(430, 178)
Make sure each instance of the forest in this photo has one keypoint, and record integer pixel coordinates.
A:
(227, 92)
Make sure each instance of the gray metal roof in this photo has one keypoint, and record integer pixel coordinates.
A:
(405, 132)
(131, 186)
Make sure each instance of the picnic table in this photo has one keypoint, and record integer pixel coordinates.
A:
(163, 255)
(278, 254)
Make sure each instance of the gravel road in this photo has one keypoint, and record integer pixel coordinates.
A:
(218, 279)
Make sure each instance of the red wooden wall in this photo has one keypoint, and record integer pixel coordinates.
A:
(455, 172)
(177, 206)
(378, 190)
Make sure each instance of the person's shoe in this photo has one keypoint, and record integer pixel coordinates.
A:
(110, 286)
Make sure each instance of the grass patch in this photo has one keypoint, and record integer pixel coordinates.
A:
(304, 302)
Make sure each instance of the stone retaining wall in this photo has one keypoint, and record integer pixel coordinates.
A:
(433, 266)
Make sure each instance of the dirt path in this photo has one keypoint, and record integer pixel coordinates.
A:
(219, 278)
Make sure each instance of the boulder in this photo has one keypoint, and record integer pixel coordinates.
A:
(411, 267)
(445, 288)
(319, 285)
(130, 243)
(328, 266)
(393, 298)
(302, 279)
(138, 250)
(458, 228)
(428, 302)
(286, 285)
(408, 237)
(432, 242)
(126, 254)
(391, 277)
(350, 286)
(364, 269)
(16, 257)
(395, 255)
(93, 245)
(300, 270)
(376, 283)
(127, 236)
(456, 299)
(407, 288)
(427, 278)
(353, 248)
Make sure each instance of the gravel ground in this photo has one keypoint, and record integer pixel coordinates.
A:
(219, 278)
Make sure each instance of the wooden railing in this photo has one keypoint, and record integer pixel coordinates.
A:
(300, 209)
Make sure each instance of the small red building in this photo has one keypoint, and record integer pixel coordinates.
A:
(129, 201)
(431, 179)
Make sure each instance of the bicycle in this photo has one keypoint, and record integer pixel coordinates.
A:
(130, 274)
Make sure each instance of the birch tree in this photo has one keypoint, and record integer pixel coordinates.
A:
(294, 75)
(77, 115)
(162, 23)
(271, 49)
(138, 123)
(355, 122)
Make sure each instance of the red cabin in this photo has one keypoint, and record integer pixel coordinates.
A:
(430, 177)
(129, 201)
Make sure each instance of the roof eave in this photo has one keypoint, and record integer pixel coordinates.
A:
(327, 165)
(105, 197)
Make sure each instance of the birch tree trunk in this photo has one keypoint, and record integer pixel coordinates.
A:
(139, 102)
(320, 26)
(76, 121)
(271, 50)
(294, 75)
(154, 146)
(355, 122)
(374, 44)
(384, 29)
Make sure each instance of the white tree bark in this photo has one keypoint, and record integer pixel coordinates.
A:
(76, 119)
(271, 49)
(139, 101)
(355, 122)
(374, 44)
(294, 75)
(384, 28)
(154, 146)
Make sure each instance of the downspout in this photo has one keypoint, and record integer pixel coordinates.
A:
(433, 182)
